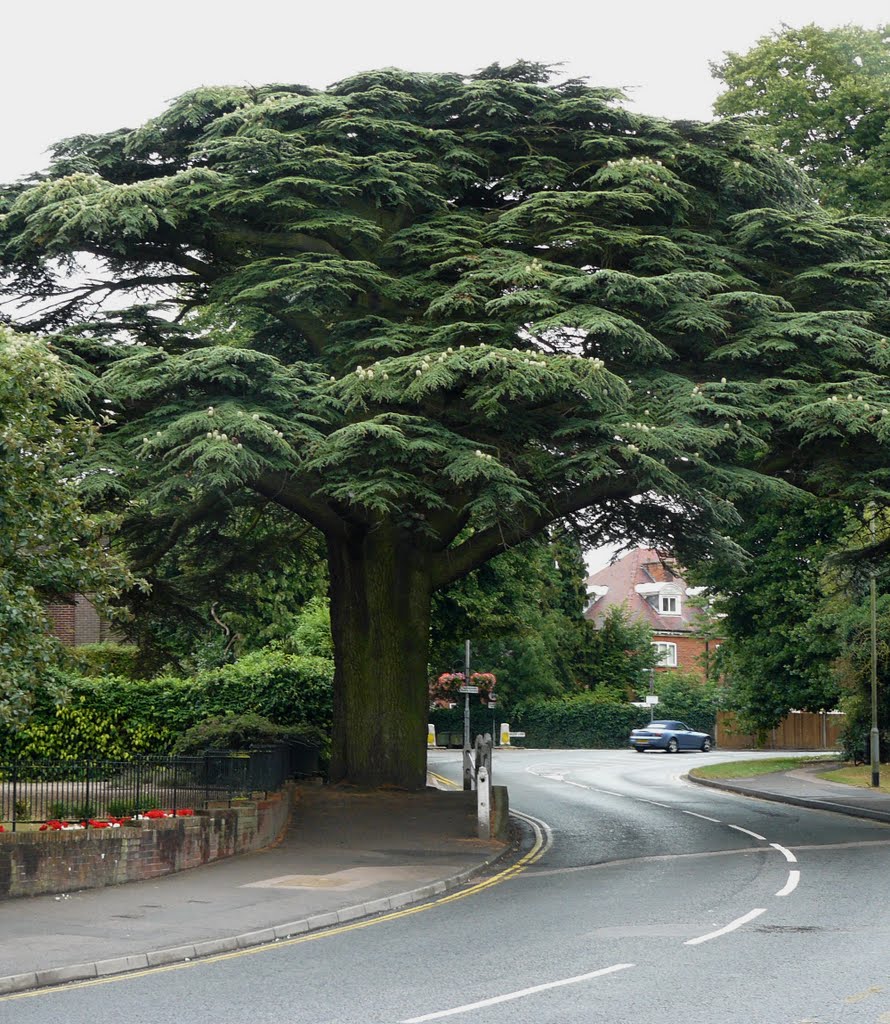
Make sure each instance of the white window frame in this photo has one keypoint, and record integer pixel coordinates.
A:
(664, 601)
(667, 653)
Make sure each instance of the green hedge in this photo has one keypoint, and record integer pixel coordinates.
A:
(116, 718)
(584, 720)
(104, 659)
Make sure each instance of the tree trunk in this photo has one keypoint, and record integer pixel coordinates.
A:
(380, 620)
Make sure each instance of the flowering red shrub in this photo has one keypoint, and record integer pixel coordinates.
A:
(444, 691)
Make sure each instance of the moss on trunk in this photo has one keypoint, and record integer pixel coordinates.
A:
(380, 616)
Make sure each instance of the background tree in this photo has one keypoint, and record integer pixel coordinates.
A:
(229, 583)
(522, 612)
(49, 545)
(821, 97)
(622, 655)
(430, 316)
(780, 610)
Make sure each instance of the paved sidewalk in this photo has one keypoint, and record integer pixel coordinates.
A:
(805, 788)
(347, 854)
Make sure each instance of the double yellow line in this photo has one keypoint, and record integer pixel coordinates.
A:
(541, 844)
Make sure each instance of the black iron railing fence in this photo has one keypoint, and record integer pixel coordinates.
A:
(73, 791)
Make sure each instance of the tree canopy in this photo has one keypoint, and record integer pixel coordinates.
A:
(49, 544)
(821, 97)
(430, 315)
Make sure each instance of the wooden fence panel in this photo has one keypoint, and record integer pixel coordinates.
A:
(800, 730)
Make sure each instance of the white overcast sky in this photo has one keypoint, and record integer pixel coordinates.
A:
(97, 65)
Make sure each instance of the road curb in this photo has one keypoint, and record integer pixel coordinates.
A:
(14, 983)
(797, 801)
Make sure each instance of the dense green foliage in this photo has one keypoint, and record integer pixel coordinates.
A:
(242, 732)
(797, 613)
(602, 718)
(621, 653)
(49, 545)
(522, 613)
(103, 659)
(781, 638)
(431, 315)
(821, 97)
(118, 718)
(851, 623)
(595, 719)
(683, 696)
(230, 583)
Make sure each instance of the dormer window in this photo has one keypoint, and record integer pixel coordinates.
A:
(669, 604)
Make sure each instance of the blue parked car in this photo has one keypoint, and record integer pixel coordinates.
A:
(670, 737)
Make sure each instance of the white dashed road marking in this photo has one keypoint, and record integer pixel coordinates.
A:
(748, 832)
(520, 994)
(731, 927)
(787, 854)
(791, 884)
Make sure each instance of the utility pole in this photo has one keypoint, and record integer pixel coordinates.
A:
(875, 742)
(468, 767)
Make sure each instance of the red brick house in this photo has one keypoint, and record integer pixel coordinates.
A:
(648, 584)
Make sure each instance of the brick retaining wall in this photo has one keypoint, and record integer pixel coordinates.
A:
(32, 863)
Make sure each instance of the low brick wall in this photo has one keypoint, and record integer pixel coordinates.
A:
(32, 863)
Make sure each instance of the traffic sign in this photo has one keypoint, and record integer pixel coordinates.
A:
(468, 689)
(517, 735)
(492, 703)
(651, 698)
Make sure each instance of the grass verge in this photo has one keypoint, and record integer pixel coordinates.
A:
(859, 775)
(750, 769)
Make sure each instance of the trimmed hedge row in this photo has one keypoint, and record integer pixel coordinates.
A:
(116, 718)
(584, 720)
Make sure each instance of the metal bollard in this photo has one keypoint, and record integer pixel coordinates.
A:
(483, 803)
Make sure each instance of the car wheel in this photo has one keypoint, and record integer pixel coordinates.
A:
(673, 746)
(640, 750)
(706, 746)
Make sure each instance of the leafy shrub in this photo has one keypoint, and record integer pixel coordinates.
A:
(289, 689)
(685, 696)
(312, 633)
(79, 732)
(105, 659)
(241, 732)
(116, 718)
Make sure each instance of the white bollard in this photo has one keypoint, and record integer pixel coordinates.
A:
(505, 734)
(430, 735)
(483, 803)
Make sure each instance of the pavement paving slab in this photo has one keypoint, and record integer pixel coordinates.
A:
(347, 854)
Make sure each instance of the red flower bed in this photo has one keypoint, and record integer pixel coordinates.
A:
(56, 826)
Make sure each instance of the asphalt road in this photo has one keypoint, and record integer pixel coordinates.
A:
(643, 897)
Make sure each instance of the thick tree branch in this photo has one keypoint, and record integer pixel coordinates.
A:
(455, 563)
(278, 241)
(294, 495)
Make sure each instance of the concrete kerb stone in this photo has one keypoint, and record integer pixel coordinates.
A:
(797, 801)
(210, 947)
(121, 964)
(257, 938)
(59, 975)
(18, 983)
(178, 954)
